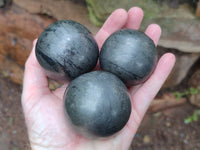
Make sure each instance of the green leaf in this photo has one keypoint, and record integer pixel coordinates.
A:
(188, 120)
(193, 91)
(195, 117)
(11, 120)
(178, 95)
(15, 148)
(197, 112)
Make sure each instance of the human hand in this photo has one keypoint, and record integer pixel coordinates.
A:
(43, 109)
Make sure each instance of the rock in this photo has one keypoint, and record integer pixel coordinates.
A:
(184, 61)
(99, 10)
(17, 31)
(181, 34)
(181, 68)
(65, 9)
(168, 100)
(180, 27)
(194, 82)
(195, 99)
(146, 139)
(168, 124)
(198, 10)
(195, 79)
(11, 69)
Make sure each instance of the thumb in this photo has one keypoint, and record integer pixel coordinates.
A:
(35, 82)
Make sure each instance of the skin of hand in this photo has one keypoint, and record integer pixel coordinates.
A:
(43, 108)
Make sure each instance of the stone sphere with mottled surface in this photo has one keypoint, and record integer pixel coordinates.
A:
(129, 54)
(66, 49)
(97, 104)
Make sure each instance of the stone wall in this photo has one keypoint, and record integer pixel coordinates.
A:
(18, 29)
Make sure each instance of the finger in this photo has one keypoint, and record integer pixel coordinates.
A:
(135, 16)
(145, 94)
(35, 81)
(114, 22)
(154, 32)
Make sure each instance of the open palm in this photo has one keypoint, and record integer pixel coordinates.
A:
(43, 109)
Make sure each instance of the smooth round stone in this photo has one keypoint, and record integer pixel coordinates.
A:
(97, 104)
(66, 49)
(129, 54)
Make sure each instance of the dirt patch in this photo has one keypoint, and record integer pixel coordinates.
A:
(13, 133)
(166, 130)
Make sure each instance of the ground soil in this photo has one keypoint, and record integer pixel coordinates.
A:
(13, 135)
(164, 130)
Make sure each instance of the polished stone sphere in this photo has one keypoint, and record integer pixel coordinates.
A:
(66, 49)
(97, 104)
(129, 54)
